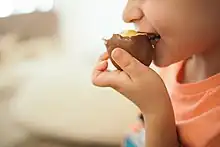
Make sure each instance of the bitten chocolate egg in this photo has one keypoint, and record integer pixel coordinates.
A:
(135, 43)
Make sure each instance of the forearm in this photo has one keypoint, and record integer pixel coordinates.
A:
(161, 129)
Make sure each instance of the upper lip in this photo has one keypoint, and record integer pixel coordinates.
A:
(152, 36)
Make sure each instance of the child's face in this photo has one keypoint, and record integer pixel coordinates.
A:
(187, 27)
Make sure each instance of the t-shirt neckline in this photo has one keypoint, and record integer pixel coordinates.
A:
(196, 87)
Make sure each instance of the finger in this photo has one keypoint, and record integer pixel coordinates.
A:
(128, 64)
(115, 79)
(100, 67)
(104, 78)
(102, 63)
(103, 57)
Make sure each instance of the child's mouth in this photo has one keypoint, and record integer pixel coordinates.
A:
(154, 38)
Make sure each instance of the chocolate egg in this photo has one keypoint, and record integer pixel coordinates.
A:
(135, 43)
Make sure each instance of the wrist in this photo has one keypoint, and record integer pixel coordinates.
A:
(158, 108)
(161, 130)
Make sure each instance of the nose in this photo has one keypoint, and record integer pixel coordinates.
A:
(132, 12)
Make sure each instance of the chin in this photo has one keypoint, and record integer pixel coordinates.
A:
(165, 60)
(161, 58)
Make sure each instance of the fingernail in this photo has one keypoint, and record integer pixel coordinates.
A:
(101, 63)
(117, 53)
(101, 66)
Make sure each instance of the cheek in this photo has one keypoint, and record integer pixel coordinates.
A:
(172, 50)
(181, 35)
(172, 47)
(159, 16)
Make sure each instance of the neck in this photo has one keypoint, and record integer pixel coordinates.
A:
(202, 66)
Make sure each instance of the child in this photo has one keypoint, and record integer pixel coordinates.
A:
(188, 54)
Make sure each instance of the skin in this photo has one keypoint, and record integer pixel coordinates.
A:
(190, 32)
(189, 29)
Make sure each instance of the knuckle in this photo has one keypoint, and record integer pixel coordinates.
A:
(94, 82)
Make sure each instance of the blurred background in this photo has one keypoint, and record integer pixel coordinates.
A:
(47, 51)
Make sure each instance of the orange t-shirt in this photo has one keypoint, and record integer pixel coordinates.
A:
(196, 107)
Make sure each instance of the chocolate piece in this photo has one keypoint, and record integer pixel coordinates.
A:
(136, 43)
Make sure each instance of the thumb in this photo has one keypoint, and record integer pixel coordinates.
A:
(128, 63)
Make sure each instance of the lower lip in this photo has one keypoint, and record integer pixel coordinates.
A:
(156, 48)
(154, 43)
(157, 43)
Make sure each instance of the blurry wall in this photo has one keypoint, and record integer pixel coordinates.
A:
(53, 94)
(35, 24)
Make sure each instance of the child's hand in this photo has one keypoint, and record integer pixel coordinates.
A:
(145, 88)
(137, 82)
